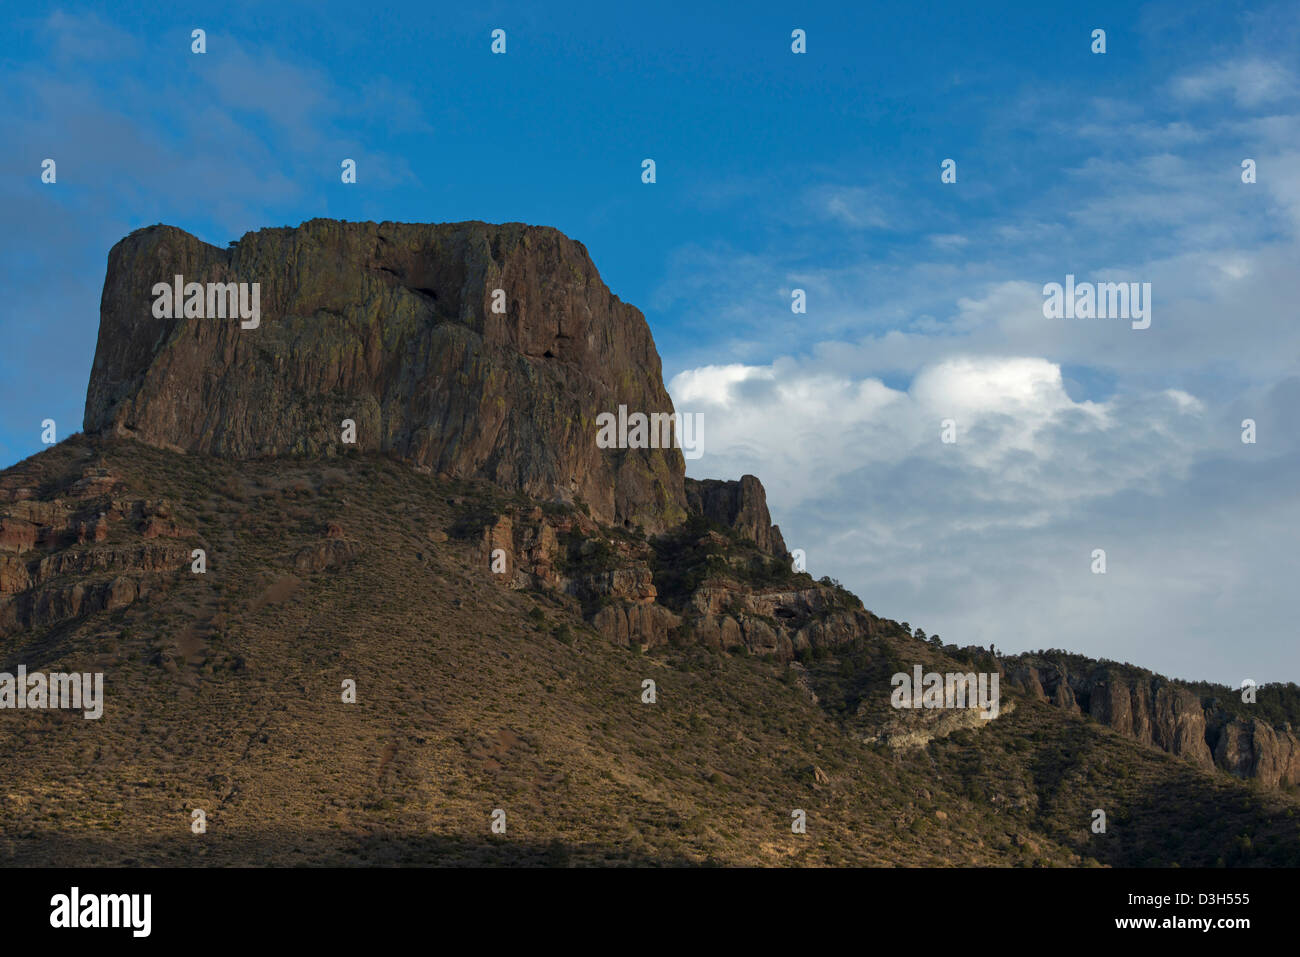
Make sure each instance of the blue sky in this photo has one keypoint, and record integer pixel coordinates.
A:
(779, 171)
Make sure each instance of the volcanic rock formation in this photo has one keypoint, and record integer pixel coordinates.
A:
(392, 325)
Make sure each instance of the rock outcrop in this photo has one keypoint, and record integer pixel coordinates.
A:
(738, 505)
(80, 549)
(1163, 713)
(916, 729)
(397, 327)
(713, 596)
(1249, 748)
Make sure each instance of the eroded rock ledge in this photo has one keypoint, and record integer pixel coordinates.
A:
(1166, 714)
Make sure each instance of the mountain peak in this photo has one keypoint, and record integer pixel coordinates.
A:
(470, 350)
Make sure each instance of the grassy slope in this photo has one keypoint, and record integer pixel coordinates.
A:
(224, 694)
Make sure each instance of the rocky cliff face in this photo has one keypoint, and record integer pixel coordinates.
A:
(739, 505)
(81, 547)
(685, 585)
(1250, 748)
(393, 326)
(1163, 713)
